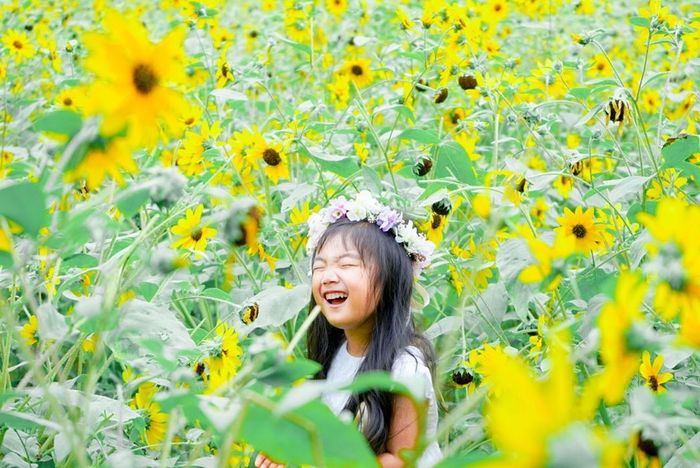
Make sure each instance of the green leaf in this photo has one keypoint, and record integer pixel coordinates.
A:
(639, 21)
(453, 161)
(131, 201)
(18, 420)
(25, 204)
(64, 122)
(680, 150)
(421, 136)
(581, 93)
(295, 45)
(216, 293)
(79, 260)
(340, 165)
(5, 259)
(288, 372)
(290, 438)
(148, 290)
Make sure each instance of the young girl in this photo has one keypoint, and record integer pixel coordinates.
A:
(364, 258)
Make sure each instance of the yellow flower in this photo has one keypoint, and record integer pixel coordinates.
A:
(29, 331)
(340, 90)
(650, 373)
(615, 321)
(224, 359)
(105, 157)
(275, 160)
(337, 7)
(581, 228)
(544, 255)
(68, 98)
(133, 78)
(18, 45)
(224, 72)
(434, 228)
(156, 420)
(358, 70)
(674, 229)
(482, 205)
(192, 235)
(564, 184)
(89, 343)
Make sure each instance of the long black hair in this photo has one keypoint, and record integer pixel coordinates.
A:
(391, 272)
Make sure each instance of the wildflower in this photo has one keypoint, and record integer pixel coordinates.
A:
(223, 360)
(337, 7)
(581, 228)
(193, 235)
(358, 70)
(18, 45)
(105, 157)
(467, 82)
(275, 160)
(422, 166)
(156, 420)
(440, 96)
(650, 373)
(190, 155)
(89, 343)
(482, 205)
(250, 313)
(340, 90)
(133, 77)
(674, 231)
(434, 228)
(616, 111)
(29, 331)
(224, 72)
(68, 99)
(615, 322)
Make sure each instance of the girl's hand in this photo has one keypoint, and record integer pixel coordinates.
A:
(261, 461)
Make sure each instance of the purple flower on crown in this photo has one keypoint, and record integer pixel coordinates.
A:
(337, 208)
(388, 218)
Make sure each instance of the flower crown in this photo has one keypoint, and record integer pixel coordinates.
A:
(364, 207)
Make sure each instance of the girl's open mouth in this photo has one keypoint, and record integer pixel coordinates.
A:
(335, 298)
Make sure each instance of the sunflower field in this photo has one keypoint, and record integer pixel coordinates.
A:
(159, 160)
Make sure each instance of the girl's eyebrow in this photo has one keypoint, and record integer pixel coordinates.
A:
(352, 254)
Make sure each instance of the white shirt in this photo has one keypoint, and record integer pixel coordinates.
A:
(406, 369)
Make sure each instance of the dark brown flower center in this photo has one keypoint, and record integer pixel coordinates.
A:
(579, 231)
(17, 45)
(67, 101)
(357, 70)
(271, 157)
(437, 220)
(647, 446)
(196, 235)
(653, 383)
(144, 78)
(189, 121)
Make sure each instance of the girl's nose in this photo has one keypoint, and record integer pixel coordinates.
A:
(329, 276)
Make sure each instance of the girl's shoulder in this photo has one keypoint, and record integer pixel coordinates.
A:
(411, 359)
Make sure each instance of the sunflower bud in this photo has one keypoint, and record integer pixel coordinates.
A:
(467, 82)
(441, 96)
(442, 207)
(250, 313)
(461, 377)
(422, 166)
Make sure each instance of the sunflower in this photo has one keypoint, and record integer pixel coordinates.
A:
(29, 331)
(650, 373)
(156, 420)
(133, 78)
(358, 70)
(224, 72)
(192, 235)
(18, 45)
(275, 160)
(337, 7)
(224, 358)
(105, 157)
(581, 227)
(68, 99)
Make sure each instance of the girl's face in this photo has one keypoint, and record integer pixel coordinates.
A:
(341, 286)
